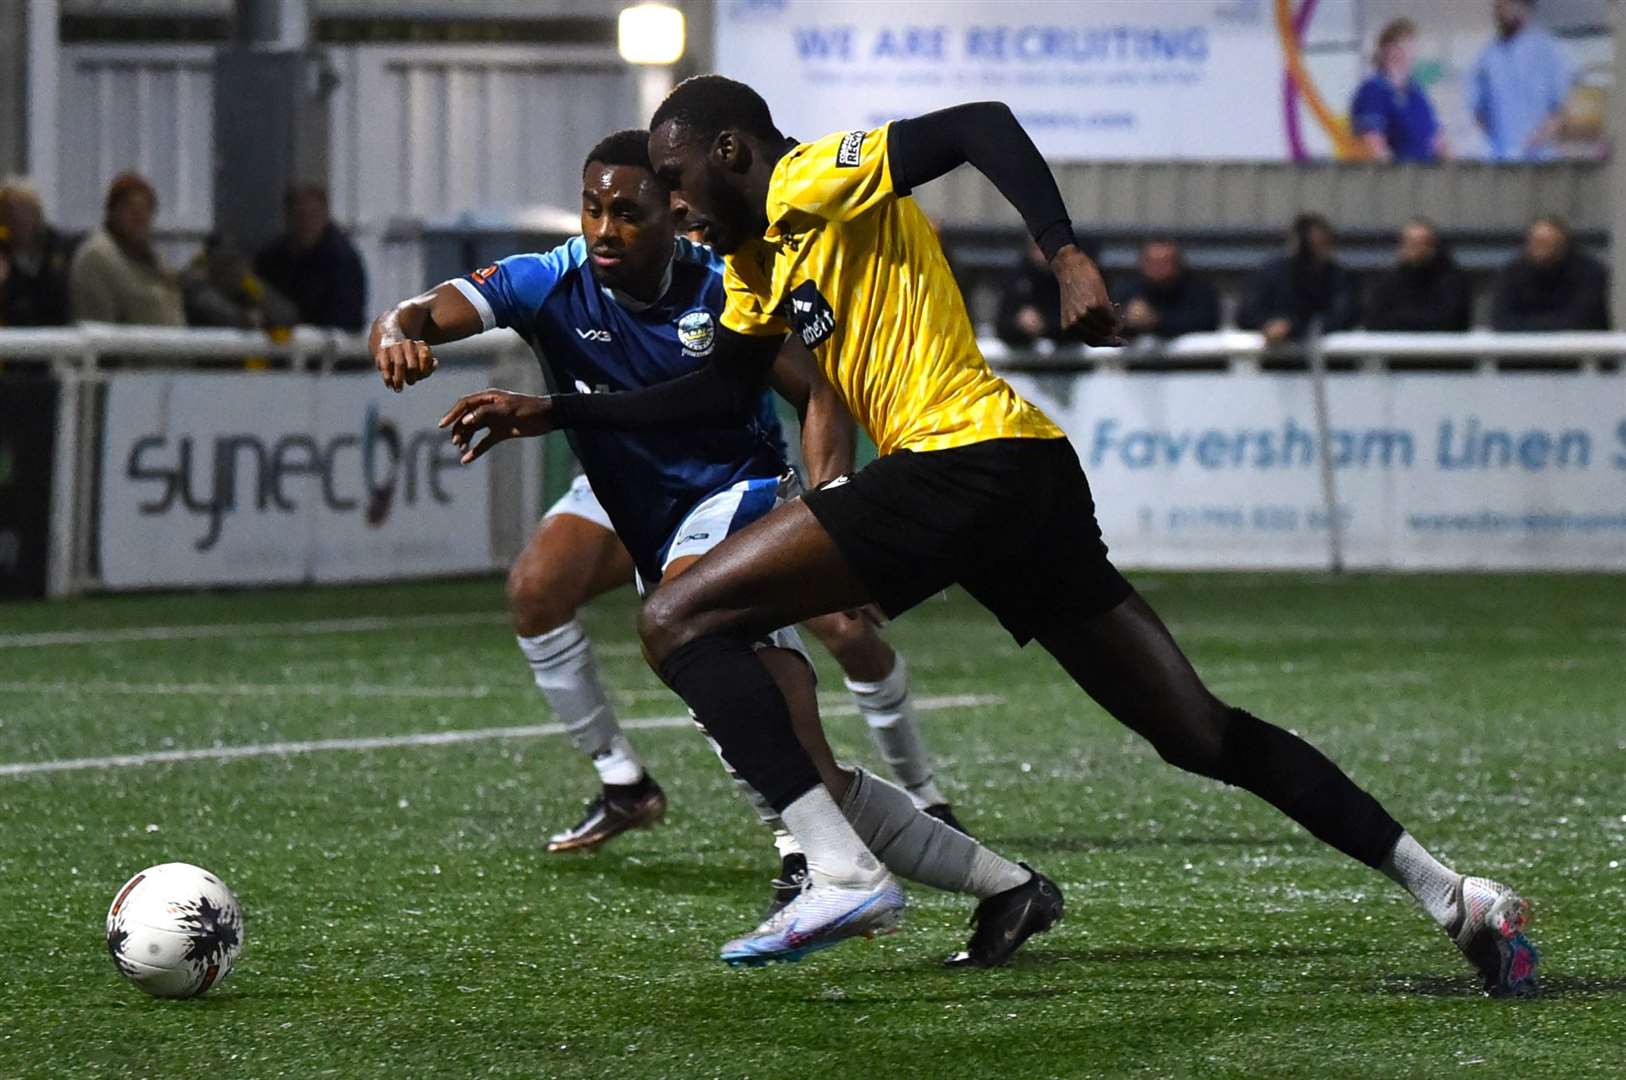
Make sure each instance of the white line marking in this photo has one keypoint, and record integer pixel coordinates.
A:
(49, 638)
(424, 738)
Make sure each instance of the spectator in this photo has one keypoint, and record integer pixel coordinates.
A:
(221, 290)
(34, 261)
(1391, 113)
(1291, 291)
(1166, 299)
(1030, 303)
(1518, 85)
(1426, 290)
(1551, 286)
(314, 264)
(116, 275)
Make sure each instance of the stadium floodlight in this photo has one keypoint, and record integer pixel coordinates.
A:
(650, 33)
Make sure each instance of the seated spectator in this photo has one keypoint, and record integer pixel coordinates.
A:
(1307, 284)
(1551, 286)
(1425, 291)
(314, 265)
(1030, 303)
(1391, 113)
(116, 275)
(221, 290)
(1166, 299)
(34, 261)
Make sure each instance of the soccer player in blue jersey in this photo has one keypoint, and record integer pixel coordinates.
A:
(624, 306)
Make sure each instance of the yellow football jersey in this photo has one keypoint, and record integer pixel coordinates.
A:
(858, 273)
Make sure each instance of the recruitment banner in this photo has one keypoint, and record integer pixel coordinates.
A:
(1262, 80)
(1516, 471)
(238, 479)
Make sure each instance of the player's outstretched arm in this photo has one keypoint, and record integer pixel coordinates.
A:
(726, 391)
(829, 436)
(986, 135)
(401, 337)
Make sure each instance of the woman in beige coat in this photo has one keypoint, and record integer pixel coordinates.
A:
(117, 276)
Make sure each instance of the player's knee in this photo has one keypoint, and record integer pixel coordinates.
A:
(663, 624)
(852, 641)
(535, 602)
(1198, 743)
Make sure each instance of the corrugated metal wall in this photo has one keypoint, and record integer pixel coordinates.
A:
(1183, 196)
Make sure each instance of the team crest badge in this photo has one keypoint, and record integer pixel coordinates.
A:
(697, 332)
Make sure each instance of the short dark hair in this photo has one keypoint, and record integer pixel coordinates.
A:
(708, 104)
(127, 185)
(629, 147)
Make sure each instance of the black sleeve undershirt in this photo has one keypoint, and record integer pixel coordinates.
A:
(726, 391)
(987, 135)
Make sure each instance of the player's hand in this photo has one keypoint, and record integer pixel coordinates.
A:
(502, 414)
(1086, 309)
(402, 362)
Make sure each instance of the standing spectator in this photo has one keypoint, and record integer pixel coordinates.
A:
(116, 275)
(1551, 286)
(1391, 113)
(1166, 299)
(34, 261)
(1518, 85)
(1293, 290)
(221, 290)
(314, 264)
(1426, 290)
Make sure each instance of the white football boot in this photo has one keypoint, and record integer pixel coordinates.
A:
(819, 917)
(1489, 929)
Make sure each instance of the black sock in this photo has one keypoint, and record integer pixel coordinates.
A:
(736, 700)
(1304, 784)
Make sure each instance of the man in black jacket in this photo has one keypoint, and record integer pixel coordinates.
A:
(1166, 299)
(1291, 291)
(315, 265)
(1426, 290)
(1551, 286)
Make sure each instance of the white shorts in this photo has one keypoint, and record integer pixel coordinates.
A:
(703, 528)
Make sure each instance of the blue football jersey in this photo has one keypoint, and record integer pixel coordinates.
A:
(589, 340)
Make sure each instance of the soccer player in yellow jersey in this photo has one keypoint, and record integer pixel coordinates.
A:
(975, 486)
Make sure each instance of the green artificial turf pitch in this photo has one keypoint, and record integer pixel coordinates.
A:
(403, 920)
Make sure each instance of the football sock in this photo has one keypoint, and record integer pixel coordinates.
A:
(562, 663)
(783, 841)
(917, 846)
(885, 708)
(1430, 881)
(835, 854)
(732, 695)
(1302, 783)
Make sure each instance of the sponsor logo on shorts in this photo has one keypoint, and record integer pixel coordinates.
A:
(851, 151)
(694, 538)
(697, 332)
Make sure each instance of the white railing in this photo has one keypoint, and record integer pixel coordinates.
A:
(1372, 350)
(77, 357)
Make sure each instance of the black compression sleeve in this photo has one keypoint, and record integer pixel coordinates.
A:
(985, 134)
(725, 391)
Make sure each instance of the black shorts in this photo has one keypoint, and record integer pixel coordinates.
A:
(1011, 520)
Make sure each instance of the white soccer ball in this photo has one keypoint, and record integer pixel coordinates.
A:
(174, 930)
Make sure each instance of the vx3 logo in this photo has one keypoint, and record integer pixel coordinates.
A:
(602, 336)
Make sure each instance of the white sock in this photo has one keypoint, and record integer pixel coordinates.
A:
(835, 855)
(783, 841)
(886, 709)
(1432, 882)
(562, 663)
